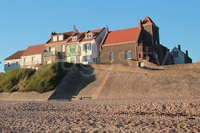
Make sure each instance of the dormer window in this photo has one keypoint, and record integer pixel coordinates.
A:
(74, 38)
(55, 38)
(60, 38)
(90, 35)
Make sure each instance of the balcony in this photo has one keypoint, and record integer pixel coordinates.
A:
(30, 63)
(54, 53)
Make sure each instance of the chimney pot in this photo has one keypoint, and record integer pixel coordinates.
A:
(179, 47)
(186, 52)
(107, 29)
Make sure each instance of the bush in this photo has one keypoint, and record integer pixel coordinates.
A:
(46, 78)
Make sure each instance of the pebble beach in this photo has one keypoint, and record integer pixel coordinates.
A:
(93, 116)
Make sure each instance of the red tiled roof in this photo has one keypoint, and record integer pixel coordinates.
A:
(38, 65)
(35, 49)
(82, 37)
(95, 34)
(15, 55)
(147, 20)
(79, 37)
(124, 35)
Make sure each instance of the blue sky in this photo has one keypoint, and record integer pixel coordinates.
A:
(29, 22)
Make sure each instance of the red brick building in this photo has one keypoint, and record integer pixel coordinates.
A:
(135, 44)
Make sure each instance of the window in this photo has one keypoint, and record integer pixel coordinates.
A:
(87, 58)
(9, 65)
(89, 35)
(17, 64)
(94, 60)
(72, 60)
(128, 54)
(74, 38)
(175, 54)
(111, 56)
(54, 38)
(87, 46)
(72, 49)
(60, 38)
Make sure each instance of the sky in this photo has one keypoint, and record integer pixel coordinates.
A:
(30, 22)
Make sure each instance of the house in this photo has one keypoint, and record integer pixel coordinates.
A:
(134, 44)
(179, 57)
(32, 56)
(56, 45)
(13, 61)
(84, 47)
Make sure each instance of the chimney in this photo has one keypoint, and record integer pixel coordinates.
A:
(186, 52)
(51, 34)
(75, 30)
(140, 24)
(107, 30)
(179, 47)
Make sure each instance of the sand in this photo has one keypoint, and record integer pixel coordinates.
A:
(95, 116)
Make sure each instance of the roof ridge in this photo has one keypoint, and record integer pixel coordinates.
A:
(124, 29)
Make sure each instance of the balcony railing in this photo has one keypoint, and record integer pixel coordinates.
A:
(30, 63)
(50, 53)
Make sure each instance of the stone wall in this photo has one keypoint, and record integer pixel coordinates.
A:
(182, 66)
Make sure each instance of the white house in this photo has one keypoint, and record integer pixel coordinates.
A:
(179, 57)
(13, 61)
(83, 47)
(32, 56)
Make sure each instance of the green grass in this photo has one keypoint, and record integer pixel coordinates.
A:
(46, 78)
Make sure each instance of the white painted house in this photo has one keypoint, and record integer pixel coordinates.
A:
(179, 57)
(32, 56)
(83, 47)
(13, 61)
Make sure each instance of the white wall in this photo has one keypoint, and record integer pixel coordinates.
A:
(29, 63)
(181, 57)
(13, 64)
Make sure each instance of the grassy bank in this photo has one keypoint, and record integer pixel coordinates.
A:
(44, 79)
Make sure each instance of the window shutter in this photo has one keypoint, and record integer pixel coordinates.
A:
(90, 46)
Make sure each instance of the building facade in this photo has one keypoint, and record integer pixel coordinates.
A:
(13, 61)
(55, 47)
(84, 47)
(179, 57)
(32, 56)
(134, 44)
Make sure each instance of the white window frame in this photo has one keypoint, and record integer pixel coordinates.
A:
(87, 46)
(54, 38)
(89, 35)
(60, 37)
(74, 38)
